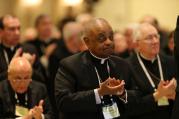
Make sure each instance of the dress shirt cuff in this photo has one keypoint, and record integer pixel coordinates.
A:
(42, 115)
(44, 61)
(123, 97)
(97, 97)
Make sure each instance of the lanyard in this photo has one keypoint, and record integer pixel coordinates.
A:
(99, 78)
(6, 57)
(147, 73)
(18, 101)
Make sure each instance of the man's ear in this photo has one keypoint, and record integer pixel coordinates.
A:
(86, 40)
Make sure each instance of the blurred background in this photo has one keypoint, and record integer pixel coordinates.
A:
(118, 12)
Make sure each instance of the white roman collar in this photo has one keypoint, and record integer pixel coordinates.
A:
(102, 59)
(152, 60)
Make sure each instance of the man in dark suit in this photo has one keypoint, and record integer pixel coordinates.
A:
(175, 114)
(10, 36)
(89, 85)
(156, 76)
(44, 43)
(10, 42)
(20, 96)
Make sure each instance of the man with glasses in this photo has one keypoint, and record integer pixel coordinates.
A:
(156, 76)
(22, 97)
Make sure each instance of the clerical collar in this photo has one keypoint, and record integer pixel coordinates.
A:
(10, 48)
(45, 41)
(102, 60)
(151, 60)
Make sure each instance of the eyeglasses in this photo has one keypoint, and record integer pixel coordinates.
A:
(102, 36)
(21, 80)
(151, 37)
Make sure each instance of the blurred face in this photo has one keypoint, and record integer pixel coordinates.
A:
(44, 27)
(100, 40)
(120, 43)
(20, 80)
(149, 43)
(11, 33)
(72, 43)
(130, 42)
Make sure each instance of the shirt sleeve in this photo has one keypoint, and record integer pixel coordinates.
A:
(97, 97)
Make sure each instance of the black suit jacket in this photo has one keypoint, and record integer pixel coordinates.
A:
(75, 82)
(37, 75)
(175, 114)
(3, 62)
(58, 54)
(3, 65)
(40, 45)
(146, 107)
(37, 92)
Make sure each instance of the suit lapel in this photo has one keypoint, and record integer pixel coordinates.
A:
(88, 69)
(8, 94)
(32, 95)
(113, 69)
(2, 60)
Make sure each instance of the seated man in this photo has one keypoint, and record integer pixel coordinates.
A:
(22, 97)
(156, 76)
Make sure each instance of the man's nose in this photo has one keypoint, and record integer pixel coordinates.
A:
(108, 41)
(17, 31)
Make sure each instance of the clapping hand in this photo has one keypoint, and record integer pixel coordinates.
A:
(111, 87)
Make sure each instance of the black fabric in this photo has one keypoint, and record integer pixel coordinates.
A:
(153, 70)
(59, 53)
(40, 45)
(10, 52)
(146, 107)
(3, 62)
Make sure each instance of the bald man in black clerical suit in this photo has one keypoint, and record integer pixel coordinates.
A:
(90, 85)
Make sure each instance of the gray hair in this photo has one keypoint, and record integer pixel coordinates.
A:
(136, 32)
(71, 28)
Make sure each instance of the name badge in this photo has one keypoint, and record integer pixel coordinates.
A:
(21, 111)
(110, 111)
(163, 101)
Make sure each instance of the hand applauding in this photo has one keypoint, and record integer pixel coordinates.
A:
(111, 87)
(167, 89)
